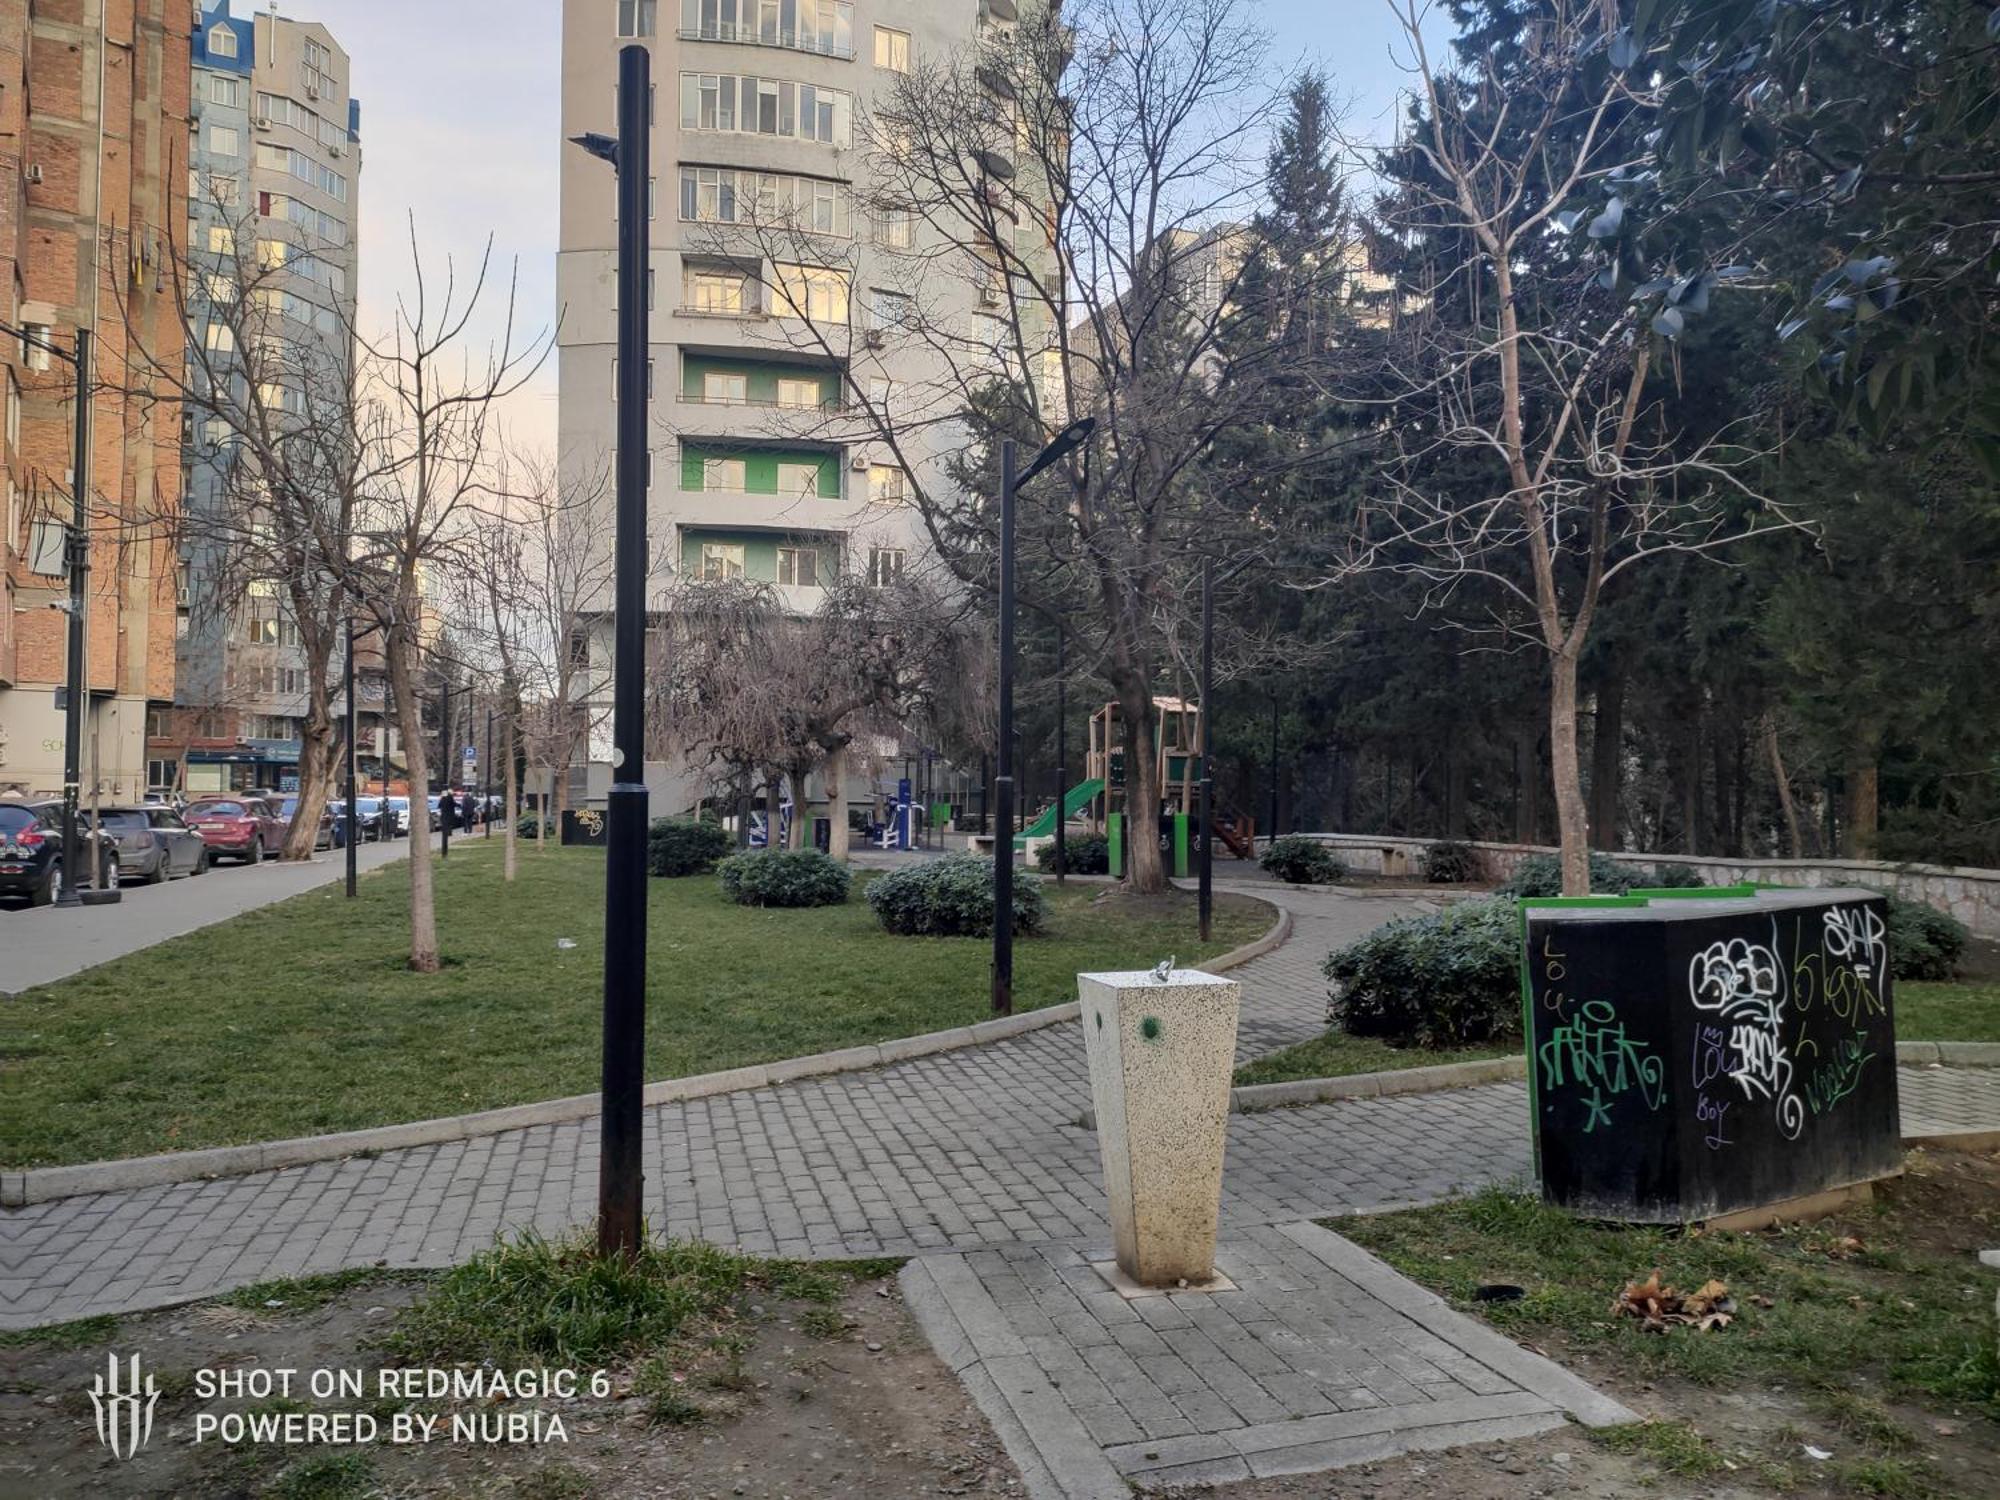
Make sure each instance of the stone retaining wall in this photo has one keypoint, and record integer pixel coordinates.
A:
(1973, 896)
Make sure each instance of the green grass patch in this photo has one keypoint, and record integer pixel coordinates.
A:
(558, 1302)
(1925, 1012)
(1337, 1055)
(1905, 1319)
(292, 1295)
(301, 1018)
(326, 1476)
(82, 1333)
(1674, 1446)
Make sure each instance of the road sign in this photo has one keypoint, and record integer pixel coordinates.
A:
(471, 754)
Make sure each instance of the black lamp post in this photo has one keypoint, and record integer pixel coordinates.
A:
(486, 780)
(1003, 779)
(1206, 812)
(444, 777)
(353, 793)
(1062, 762)
(620, 1180)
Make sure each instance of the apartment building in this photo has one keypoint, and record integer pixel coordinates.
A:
(93, 138)
(273, 198)
(758, 354)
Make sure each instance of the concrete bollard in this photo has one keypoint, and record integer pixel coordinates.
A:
(1161, 1056)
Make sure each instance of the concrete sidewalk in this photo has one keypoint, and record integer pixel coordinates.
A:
(44, 944)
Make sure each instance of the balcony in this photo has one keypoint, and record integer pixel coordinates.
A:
(788, 39)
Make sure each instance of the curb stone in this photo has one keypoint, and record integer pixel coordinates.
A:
(43, 1184)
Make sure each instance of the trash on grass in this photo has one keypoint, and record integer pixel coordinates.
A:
(1821, 1454)
(1659, 1307)
(565, 943)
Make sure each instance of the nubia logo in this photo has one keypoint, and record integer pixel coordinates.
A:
(124, 1403)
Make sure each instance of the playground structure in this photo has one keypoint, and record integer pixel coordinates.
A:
(1179, 742)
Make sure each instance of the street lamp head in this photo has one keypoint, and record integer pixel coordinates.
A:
(603, 147)
(1070, 438)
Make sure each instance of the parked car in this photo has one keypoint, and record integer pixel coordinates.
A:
(154, 844)
(242, 828)
(31, 852)
(288, 808)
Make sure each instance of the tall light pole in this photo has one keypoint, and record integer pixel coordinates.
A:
(444, 774)
(353, 794)
(620, 1173)
(1062, 763)
(1003, 779)
(1206, 885)
(486, 780)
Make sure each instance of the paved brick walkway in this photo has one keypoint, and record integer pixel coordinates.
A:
(959, 1151)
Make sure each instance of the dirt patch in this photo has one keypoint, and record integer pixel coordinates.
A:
(1980, 961)
(868, 1413)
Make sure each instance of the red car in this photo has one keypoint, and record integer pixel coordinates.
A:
(242, 828)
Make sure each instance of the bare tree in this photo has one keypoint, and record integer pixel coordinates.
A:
(1538, 382)
(1043, 214)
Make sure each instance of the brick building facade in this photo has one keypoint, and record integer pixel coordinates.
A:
(93, 194)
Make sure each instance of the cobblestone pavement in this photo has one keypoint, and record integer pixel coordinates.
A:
(1318, 1355)
(959, 1151)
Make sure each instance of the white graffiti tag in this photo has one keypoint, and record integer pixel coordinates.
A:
(1854, 936)
(1738, 981)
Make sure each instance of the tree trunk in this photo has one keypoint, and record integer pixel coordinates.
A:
(1145, 871)
(773, 795)
(1689, 788)
(798, 774)
(511, 806)
(1528, 764)
(423, 896)
(1794, 840)
(1572, 818)
(1607, 760)
(1455, 793)
(316, 764)
(1863, 801)
(836, 805)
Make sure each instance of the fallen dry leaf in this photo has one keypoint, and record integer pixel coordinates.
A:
(1659, 1307)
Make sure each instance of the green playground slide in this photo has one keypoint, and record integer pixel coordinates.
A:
(1075, 801)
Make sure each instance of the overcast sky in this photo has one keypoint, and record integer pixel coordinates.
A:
(459, 104)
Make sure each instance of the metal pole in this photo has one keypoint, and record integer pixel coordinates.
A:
(1062, 763)
(353, 793)
(1207, 813)
(1003, 778)
(444, 773)
(1274, 768)
(620, 1180)
(486, 780)
(79, 567)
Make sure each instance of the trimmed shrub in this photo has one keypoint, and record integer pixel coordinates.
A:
(524, 828)
(1924, 943)
(686, 846)
(1083, 854)
(783, 877)
(1541, 875)
(1302, 861)
(951, 897)
(1451, 862)
(1446, 980)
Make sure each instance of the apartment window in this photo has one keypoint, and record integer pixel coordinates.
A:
(892, 49)
(712, 290)
(879, 390)
(725, 390)
(802, 394)
(638, 17)
(35, 339)
(798, 481)
(766, 106)
(799, 567)
(722, 195)
(223, 190)
(895, 227)
(219, 338)
(887, 484)
(890, 309)
(885, 566)
(316, 68)
(614, 378)
(48, 541)
(225, 91)
(721, 560)
(728, 474)
(222, 41)
(816, 293)
(579, 646)
(225, 140)
(271, 255)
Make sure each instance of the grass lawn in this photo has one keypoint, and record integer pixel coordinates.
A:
(1869, 1335)
(1924, 1013)
(302, 1018)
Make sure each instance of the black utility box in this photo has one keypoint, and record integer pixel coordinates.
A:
(1702, 1055)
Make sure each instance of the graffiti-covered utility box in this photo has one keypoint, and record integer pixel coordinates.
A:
(1690, 1058)
(584, 826)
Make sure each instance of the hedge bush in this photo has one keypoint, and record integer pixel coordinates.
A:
(783, 877)
(1924, 943)
(952, 897)
(1302, 861)
(686, 846)
(1088, 854)
(1451, 862)
(524, 828)
(1541, 875)
(1445, 980)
